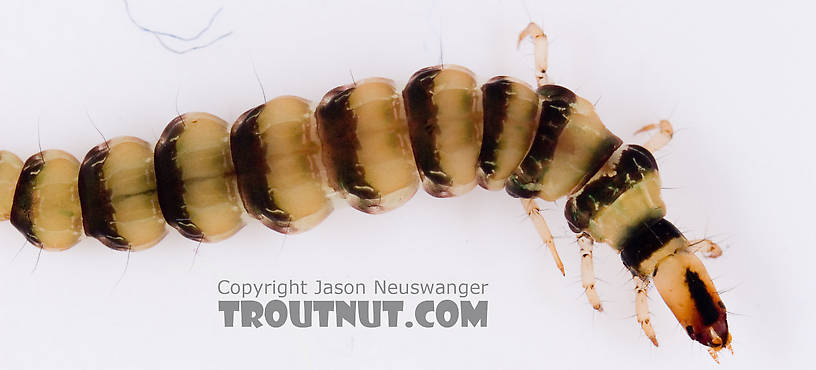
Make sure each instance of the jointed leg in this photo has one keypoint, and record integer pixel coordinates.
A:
(540, 45)
(585, 242)
(706, 247)
(642, 308)
(661, 138)
(543, 230)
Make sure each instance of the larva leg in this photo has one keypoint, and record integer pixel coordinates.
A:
(585, 242)
(543, 230)
(706, 247)
(661, 138)
(540, 45)
(642, 308)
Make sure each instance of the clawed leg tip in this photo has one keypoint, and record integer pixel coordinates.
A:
(532, 30)
(714, 356)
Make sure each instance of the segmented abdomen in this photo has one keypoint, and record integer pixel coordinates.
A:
(281, 161)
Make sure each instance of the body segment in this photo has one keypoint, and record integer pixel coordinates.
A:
(444, 110)
(280, 173)
(195, 178)
(117, 189)
(46, 207)
(366, 147)
(571, 144)
(511, 109)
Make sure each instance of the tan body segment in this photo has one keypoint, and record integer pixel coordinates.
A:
(638, 201)
(46, 205)
(366, 146)
(514, 112)
(10, 168)
(444, 111)
(201, 198)
(117, 187)
(131, 181)
(210, 195)
(277, 157)
(641, 202)
(384, 150)
(576, 156)
(459, 118)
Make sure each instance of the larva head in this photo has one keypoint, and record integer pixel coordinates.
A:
(687, 289)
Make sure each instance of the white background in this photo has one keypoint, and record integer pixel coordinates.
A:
(735, 79)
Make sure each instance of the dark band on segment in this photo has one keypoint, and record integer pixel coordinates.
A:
(95, 199)
(555, 112)
(495, 95)
(645, 240)
(248, 156)
(21, 209)
(422, 124)
(632, 165)
(338, 130)
(169, 182)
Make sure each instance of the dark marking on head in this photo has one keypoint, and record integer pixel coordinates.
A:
(421, 114)
(95, 200)
(702, 298)
(249, 159)
(555, 113)
(169, 184)
(646, 239)
(337, 127)
(634, 163)
(20, 216)
(690, 330)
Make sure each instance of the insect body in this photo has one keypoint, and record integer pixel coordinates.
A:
(373, 145)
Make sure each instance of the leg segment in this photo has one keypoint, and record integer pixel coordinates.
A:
(706, 247)
(661, 138)
(585, 242)
(540, 45)
(642, 308)
(534, 213)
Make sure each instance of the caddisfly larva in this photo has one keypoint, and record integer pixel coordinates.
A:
(373, 145)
